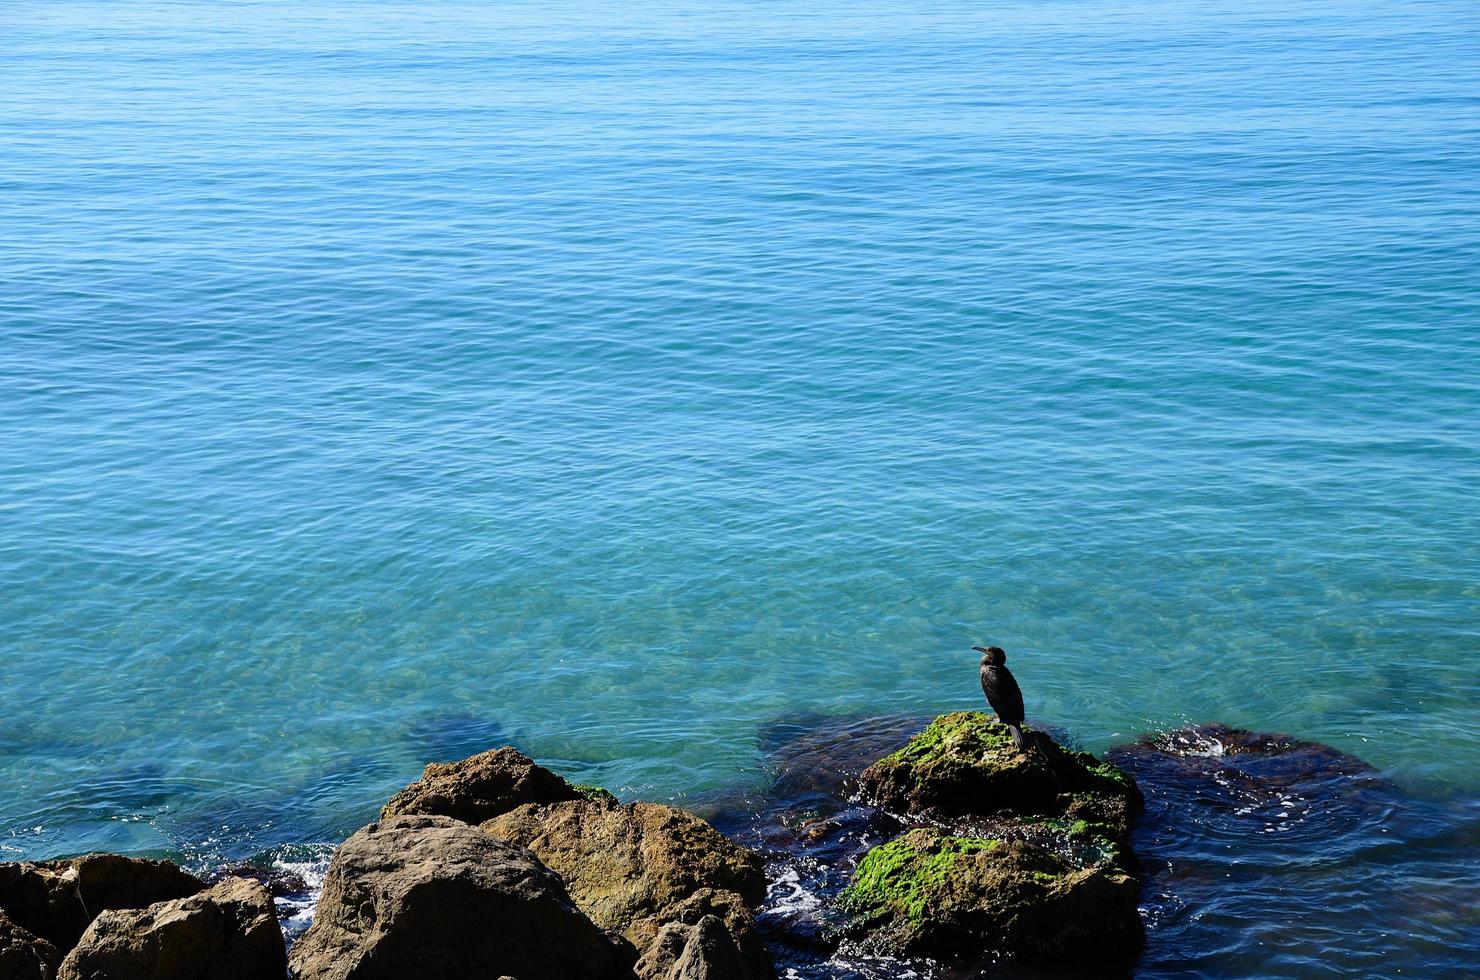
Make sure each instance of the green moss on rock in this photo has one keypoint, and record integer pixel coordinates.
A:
(965, 763)
(961, 899)
(595, 794)
(904, 874)
(1026, 853)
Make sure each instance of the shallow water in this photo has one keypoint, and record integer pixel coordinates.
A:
(381, 382)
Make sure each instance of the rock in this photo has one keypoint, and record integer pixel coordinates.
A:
(1024, 854)
(227, 932)
(710, 934)
(56, 900)
(430, 896)
(819, 758)
(964, 900)
(480, 788)
(624, 864)
(702, 951)
(965, 763)
(24, 955)
(279, 882)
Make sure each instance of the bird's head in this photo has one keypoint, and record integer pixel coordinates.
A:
(992, 656)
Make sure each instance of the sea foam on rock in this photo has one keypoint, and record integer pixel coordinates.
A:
(1014, 852)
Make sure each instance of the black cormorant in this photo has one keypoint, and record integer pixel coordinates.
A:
(1002, 691)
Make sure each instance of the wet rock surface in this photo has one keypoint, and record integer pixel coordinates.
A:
(432, 896)
(227, 932)
(279, 882)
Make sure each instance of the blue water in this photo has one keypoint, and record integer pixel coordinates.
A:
(381, 381)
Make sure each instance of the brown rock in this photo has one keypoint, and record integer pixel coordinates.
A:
(56, 900)
(708, 936)
(24, 955)
(966, 763)
(480, 788)
(227, 932)
(962, 900)
(624, 864)
(429, 896)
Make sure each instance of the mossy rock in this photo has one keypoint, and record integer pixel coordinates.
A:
(966, 764)
(965, 900)
(596, 794)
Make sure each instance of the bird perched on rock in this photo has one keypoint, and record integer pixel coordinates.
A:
(1002, 691)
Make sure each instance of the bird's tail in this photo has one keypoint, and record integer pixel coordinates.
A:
(1032, 741)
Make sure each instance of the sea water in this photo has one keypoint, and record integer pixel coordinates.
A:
(381, 382)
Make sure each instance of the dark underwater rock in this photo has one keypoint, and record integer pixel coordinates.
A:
(425, 895)
(443, 737)
(1304, 848)
(56, 900)
(823, 757)
(1248, 771)
(480, 788)
(227, 932)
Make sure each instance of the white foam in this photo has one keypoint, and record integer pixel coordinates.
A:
(296, 912)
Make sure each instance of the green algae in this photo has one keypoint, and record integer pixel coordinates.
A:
(903, 874)
(955, 733)
(1057, 823)
(595, 794)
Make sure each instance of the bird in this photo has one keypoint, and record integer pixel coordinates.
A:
(1002, 691)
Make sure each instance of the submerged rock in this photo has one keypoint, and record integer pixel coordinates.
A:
(227, 932)
(56, 900)
(24, 955)
(480, 788)
(1300, 839)
(430, 896)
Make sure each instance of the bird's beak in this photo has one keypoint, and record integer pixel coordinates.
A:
(980, 649)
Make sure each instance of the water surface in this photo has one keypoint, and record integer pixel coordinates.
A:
(379, 382)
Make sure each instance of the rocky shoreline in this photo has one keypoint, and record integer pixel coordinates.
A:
(942, 846)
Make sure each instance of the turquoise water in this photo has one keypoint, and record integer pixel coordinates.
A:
(383, 381)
